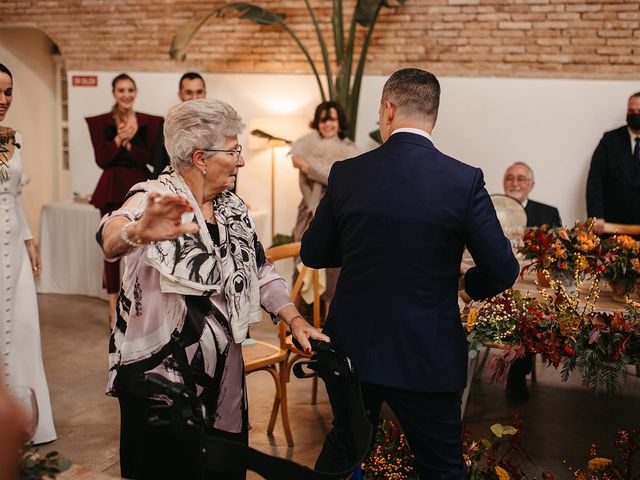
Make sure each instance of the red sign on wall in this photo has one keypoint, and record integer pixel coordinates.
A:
(84, 80)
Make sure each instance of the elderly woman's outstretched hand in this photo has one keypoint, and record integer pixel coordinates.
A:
(161, 219)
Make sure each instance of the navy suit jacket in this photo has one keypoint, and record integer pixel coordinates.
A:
(613, 185)
(396, 219)
(539, 214)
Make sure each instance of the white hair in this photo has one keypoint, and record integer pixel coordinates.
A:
(524, 165)
(200, 123)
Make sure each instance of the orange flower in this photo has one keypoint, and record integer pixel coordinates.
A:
(586, 242)
(472, 318)
(598, 463)
(584, 263)
(558, 249)
(502, 473)
(626, 242)
(562, 233)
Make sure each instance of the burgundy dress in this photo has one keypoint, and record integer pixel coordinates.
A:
(122, 168)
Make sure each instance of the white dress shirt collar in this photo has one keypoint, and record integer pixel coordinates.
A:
(416, 131)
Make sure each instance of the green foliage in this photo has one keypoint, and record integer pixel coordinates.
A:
(281, 239)
(35, 466)
(344, 86)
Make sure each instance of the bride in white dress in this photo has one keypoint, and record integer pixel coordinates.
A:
(20, 353)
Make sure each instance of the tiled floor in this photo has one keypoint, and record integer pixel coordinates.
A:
(561, 420)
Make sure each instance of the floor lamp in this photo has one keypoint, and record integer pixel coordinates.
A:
(272, 142)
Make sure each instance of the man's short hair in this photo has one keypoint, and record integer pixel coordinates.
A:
(413, 92)
(190, 76)
(637, 94)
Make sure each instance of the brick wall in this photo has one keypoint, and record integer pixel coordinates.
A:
(525, 38)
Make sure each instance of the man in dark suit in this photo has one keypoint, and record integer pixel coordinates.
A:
(397, 219)
(518, 183)
(613, 185)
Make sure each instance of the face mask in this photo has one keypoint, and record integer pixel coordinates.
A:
(633, 120)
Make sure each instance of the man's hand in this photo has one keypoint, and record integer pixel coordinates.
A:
(461, 292)
(598, 226)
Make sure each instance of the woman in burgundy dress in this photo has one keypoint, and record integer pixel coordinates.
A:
(124, 142)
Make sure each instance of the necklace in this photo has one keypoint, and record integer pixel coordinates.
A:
(211, 217)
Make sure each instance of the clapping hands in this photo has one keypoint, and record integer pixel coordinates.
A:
(126, 131)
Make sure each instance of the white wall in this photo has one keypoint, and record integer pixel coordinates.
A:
(28, 54)
(553, 125)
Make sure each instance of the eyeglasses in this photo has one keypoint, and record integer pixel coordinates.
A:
(518, 179)
(235, 154)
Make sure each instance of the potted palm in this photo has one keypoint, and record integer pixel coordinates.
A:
(344, 85)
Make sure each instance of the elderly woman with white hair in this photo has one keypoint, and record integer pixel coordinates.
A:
(195, 278)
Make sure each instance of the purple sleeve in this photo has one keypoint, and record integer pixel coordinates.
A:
(274, 294)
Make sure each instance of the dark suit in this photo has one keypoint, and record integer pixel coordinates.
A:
(539, 214)
(613, 185)
(396, 220)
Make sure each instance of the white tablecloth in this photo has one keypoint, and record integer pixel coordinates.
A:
(71, 258)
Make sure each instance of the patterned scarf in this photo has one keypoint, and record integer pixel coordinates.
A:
(191, 265)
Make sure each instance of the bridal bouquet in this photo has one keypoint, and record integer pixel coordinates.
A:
(7, 137)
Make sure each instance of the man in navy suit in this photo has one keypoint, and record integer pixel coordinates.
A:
(397, 219)
(613, 185)
(518, 182)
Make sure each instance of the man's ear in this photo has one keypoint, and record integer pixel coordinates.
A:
(390, 111)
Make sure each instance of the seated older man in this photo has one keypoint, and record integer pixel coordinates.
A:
(518, 183)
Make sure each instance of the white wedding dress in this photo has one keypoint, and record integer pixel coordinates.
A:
(21, 355)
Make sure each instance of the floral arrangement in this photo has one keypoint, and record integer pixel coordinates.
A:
(391, 457)
(621, 255)
(563, 331)
(501, 456)
(601, 468)
(7, 137)
(604, 348)
(498, 457)
(35, 466)
(564, 253)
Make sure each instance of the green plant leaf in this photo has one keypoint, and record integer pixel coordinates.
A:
(375, 135)
(247, 11)
(366, 10)
(181, 40)
(500, 430)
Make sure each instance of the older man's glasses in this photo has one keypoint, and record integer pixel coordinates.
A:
(235, 154)
(518, 179)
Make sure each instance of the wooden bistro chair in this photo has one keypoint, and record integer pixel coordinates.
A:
(292, 251)
(270, 358)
